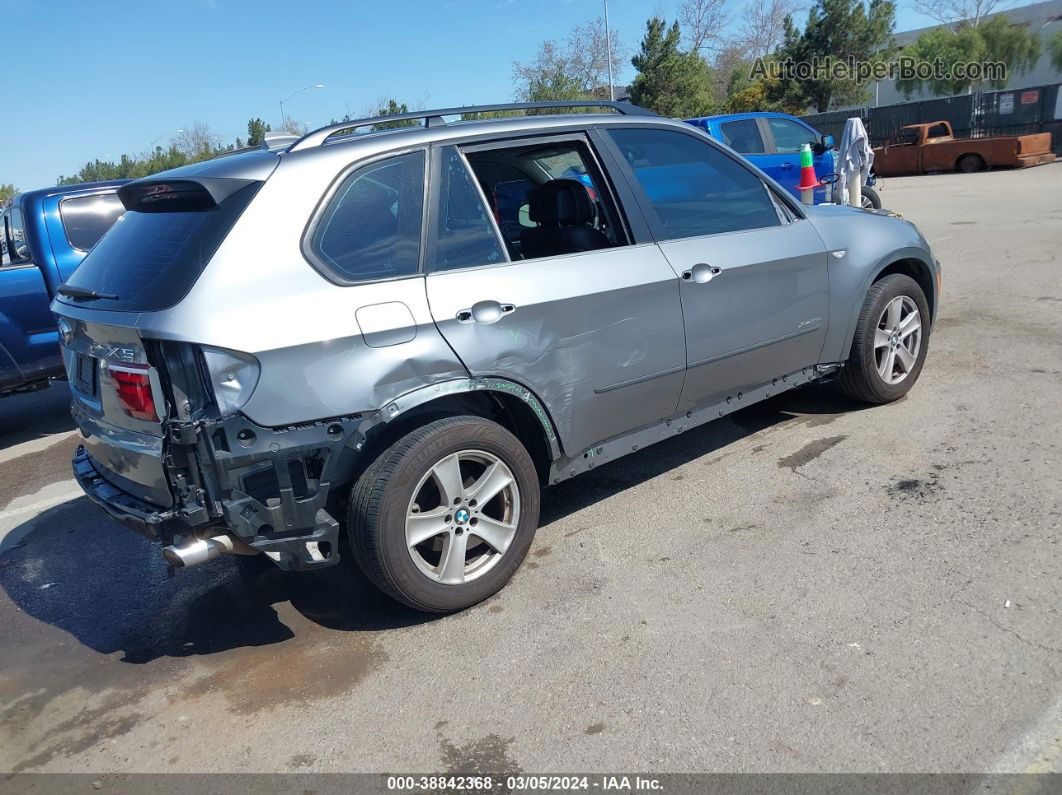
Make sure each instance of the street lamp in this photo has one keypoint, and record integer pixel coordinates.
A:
(171, 132)
(608, 48)
(293, 93)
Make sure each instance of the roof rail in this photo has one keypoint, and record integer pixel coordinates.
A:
(434, 118)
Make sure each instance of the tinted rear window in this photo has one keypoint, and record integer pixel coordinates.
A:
(86, 218)
(150, 260)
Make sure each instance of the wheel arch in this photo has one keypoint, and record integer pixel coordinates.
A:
(511, 405)
(908, 262)
(964, 155)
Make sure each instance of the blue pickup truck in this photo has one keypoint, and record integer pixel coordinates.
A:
(772, 143)
(44, 235)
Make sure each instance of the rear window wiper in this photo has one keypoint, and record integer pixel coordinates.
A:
(84, 294)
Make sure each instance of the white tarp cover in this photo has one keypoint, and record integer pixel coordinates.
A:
(854, 155)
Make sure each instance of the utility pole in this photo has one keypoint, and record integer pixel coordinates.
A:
(608, 49)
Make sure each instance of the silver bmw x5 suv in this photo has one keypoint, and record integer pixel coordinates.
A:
(398, 334)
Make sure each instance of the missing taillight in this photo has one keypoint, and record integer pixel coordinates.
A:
(134, 393)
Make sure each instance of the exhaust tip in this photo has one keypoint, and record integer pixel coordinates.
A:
(173, 556)
(198, 550)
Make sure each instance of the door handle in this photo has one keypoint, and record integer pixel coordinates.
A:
(485, 312)
(786, 166)
(701, 273)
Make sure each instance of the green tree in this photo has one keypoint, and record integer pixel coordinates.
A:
(669, 81)
(7, 193)
(745, 93)
(1054, 47)
(994, 41)
(836, 31)
(392, 108)
(256, 130)
(202, 144)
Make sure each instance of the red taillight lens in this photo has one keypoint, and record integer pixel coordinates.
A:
(134, 393)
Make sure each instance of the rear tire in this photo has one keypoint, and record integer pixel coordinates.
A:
(971, 164)
(871, 200)
(414, 514)
(890, 342)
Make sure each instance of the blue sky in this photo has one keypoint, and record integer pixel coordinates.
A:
(96, 79)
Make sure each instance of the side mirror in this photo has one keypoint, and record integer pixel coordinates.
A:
(823, 145)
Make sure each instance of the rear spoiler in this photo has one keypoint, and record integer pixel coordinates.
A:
(179, 195)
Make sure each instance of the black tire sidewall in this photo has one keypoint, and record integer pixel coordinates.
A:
(890, 288)
(875, 199)
(403, 577)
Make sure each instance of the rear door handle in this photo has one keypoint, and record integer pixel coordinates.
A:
(485, 312)
(787, 165)
(701, 273)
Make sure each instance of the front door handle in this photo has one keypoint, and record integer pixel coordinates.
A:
(485, 312)
(701, 273)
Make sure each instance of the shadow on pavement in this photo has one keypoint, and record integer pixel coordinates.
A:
(78, 570)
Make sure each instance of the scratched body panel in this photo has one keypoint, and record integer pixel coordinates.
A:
(597, 336)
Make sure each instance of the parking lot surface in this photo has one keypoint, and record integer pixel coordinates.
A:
(807, 585)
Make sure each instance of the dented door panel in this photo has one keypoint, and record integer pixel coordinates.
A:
(596, 336)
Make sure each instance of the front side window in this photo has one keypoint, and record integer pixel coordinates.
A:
(86, 218)
(372, 225)
(789, 136)
(694, 188)
(549, 198)
(464, 235)
(743, 136)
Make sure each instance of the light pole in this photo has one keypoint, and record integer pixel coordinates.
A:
(171, 132)
(608, 48)
(293, 93)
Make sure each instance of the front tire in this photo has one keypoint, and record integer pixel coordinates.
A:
(890, 343)
(870, 198)
(444, 517)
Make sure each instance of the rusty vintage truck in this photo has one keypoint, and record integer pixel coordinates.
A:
(921, 148)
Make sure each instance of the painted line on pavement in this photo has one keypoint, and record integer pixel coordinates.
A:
(17, 520)
(33, 446)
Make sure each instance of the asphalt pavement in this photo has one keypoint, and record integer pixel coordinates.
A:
(806, 585)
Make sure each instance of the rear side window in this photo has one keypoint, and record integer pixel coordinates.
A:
(743, 136)
(789, 136)
(371, 227)
(86, 218)
(464, 236)
(694, 188)
(152, 256)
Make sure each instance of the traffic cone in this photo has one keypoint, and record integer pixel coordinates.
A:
(808, 180)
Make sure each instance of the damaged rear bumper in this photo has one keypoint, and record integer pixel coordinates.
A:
(268, 488)
(139, 516)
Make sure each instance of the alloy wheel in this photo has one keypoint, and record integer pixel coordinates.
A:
(462, 517)
(897, 339)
